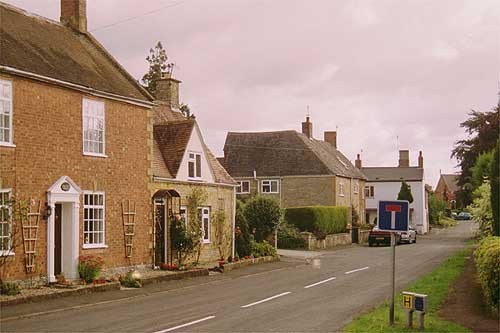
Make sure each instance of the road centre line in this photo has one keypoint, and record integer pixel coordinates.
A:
(320, 282)
(266, 299)
(357, 270)
(186, 324)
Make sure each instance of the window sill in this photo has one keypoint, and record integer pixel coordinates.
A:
(95, 155)
(7, 144)
(341, 195)
(206, 242)
(6, 253)
(270, 192)
(242, 192)
(94, 246)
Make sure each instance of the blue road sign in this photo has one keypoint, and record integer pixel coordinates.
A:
(393, 215)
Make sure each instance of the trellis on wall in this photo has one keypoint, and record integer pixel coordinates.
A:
(128, 217)
(29, 225)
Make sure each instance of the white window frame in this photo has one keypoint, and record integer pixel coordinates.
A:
(85, 103)
(185, 209)
(268, 182)
(356, 187)
(341, 189)
(239, 189)
(371, 191)
(204, 237)
(103, 243)
(196, 167)
(10, 141)
(9, 251)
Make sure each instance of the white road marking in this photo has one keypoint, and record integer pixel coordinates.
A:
(186, 324)
(320, 282)
(266, 299)
(357, 270)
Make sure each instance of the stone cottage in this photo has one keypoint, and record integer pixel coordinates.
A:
(74, 127)
(294, 168)
(182, 163)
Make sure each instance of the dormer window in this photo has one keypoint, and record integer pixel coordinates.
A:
(194, 165)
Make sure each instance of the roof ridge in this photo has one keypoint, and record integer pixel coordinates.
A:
(305, 139)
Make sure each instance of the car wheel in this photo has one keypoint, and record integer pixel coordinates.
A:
(415, 240)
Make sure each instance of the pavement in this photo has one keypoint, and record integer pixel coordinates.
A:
(297, 294)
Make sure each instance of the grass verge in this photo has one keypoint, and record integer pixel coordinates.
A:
(435, 285)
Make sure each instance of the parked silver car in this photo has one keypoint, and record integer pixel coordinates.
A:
(408, 237)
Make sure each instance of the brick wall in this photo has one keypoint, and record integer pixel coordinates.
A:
(48, 138)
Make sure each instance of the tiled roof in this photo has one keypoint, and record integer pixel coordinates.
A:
(283, 153)
(451, 181)
(172, 139)
(374, 174)
(44, 47)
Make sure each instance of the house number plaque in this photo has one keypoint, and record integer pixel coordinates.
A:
(65, 187)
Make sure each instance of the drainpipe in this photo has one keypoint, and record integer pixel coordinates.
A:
(233, 252)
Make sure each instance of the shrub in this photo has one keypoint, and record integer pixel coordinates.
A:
(320, 220)
(130, 281)
(89, 267)
(487, 257)
(481, 209)
(263, 215)
(289, 237)
(262, 249)
(437, 207)
(9, 288)
(242, 233)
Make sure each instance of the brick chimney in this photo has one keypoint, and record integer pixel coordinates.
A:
(74, 14)
(404, 158)
(420, 160)
(331, 138)
(358, 163)
(307, 128)
(167, 90)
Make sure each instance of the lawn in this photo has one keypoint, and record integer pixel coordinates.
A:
(435, 285)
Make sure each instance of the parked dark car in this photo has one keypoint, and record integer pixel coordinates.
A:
(378, 237)
(463, 216)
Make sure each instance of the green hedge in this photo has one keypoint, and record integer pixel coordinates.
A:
(320, 220)
(487, 257)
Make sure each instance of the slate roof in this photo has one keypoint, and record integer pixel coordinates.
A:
(451, 181)
(44, 47)
(170, 141)
(393, 174)
(283, 153)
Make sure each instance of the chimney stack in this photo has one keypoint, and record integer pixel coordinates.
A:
(404, 158)
(358, 163)
(420, 160)
(74, 14)
(167, 90)
(307, 128)
(331, 138)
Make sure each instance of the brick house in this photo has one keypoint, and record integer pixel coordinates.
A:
(294, 168)
(447, 188)
(73, 144)
(384, 183)
(181, 163)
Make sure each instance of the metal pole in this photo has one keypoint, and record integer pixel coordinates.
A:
(393, 277)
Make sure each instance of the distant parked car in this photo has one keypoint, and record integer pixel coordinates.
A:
(463, 216)
(377, 237)
(408, 237)
(454, 215)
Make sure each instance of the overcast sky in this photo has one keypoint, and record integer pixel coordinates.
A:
(373, 70)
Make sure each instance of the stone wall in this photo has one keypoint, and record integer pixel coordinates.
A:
(331, 241)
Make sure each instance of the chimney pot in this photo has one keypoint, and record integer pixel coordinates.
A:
(420, 160)
(74, 14)
(404, 158)
(331, 138)
(167, 90)
(358, 162)
(307, 128)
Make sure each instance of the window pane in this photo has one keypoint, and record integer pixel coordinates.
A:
(198, 165)
(191, 169)
(246, 186)
(274, 186)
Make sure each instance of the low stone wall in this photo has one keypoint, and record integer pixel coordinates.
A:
(248, 262)
(329, 242)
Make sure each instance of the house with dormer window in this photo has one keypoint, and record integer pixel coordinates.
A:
(74, 127)
(182, 162)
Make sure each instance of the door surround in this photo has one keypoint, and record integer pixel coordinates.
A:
(64, 191)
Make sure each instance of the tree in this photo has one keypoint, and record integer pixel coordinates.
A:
(222, 233)
(495, 189)
(243, 244)
(263, 215)
(483, 130)
(437, 207)
(157, 64)
(481, 169)
(196, 198)
(405, 192)
(481, 209)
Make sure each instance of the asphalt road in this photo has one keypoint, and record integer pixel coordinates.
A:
(320, 295)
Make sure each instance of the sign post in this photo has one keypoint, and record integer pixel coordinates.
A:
(393, 216)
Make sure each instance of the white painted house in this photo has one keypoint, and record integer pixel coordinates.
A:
(384, 183)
